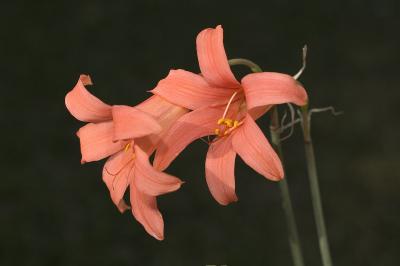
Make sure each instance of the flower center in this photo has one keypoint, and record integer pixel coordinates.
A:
(128, 147)
(227, 125)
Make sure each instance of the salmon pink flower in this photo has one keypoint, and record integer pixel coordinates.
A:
(128, 135)
(227, 109)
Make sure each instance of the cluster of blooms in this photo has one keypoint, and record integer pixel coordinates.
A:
(183, 107)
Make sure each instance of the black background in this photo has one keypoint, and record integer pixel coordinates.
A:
(53, 211)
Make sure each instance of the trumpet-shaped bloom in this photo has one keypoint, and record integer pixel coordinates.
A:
(227, 109)
(127, 135)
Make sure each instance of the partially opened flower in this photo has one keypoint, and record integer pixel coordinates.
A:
(227, 109)
(128, 135)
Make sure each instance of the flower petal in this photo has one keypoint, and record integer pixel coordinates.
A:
(148, 143)
(144, 208)
(97, 141)
(117, 173)
(220, 171)
(150, 181)
(190, 90)
(122, 206)
(268, 88)
(212, 58)
(84, 106)
(259, 111)
(189, 127)
(165, 113)
(130, 123)
(252, 146)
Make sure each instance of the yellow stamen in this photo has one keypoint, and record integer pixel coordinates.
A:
(127, 146)
(229, 124)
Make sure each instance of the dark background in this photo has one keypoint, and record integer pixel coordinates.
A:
(53, 211)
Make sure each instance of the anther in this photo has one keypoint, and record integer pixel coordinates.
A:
(127, 146)
(228, 122)
(230, 125)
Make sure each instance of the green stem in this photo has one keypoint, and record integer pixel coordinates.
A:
(315, 192)
(241, 61)
(294, 240)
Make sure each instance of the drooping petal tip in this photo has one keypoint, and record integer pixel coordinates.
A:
(144, 209)
(84, 106)
(122, 206)
(86, 80)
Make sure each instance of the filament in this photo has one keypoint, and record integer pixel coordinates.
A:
(117, 178)
(229, 103)
(117, 174)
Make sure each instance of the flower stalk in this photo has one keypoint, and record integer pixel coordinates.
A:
(294, 240)
(314, 186)
(312, 174)
(241, 61)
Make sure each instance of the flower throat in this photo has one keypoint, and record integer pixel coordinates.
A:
(227, 124)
